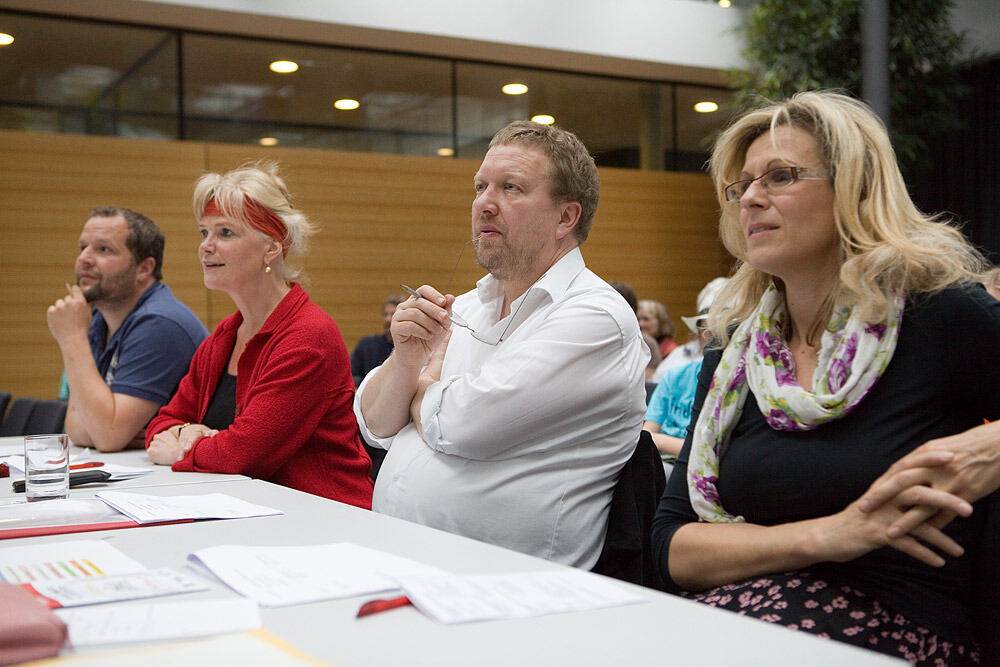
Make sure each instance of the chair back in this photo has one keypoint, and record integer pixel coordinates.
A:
(17, 419)
(47, 417)
(628, 550)
(4, 402)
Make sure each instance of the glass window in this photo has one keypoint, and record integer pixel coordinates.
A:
(93, 77)
(232, 95)
(697, 129)
(87, 77)
(616, 118)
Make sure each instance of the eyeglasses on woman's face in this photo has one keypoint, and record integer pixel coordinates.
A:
(774, 180)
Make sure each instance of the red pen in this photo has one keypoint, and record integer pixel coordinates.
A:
(89, 464)
(376, 606)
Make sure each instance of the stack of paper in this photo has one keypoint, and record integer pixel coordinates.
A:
(451, 598)
(145, 508)
(158, 622)
(281, 576)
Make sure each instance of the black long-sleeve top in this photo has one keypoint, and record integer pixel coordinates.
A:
(944, 378)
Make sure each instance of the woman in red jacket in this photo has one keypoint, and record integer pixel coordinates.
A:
(269, 394)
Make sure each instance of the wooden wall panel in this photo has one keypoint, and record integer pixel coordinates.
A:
(49, 184)
(384, 219)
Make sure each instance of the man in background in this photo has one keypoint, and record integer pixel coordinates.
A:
(126, 341)
(371, 351)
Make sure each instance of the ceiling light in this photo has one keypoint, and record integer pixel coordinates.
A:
(346, 104)
(725, 3)
(284, 66)
(446, 152)
(268, 141)
(706, 107)
(543, 119)
(6, 39)
(514, 89)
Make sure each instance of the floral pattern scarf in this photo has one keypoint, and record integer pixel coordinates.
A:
(852, 357)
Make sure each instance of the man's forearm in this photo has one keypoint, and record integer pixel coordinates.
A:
(387, 396)
(95, 422)
(78, 433)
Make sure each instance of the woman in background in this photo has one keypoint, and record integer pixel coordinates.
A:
(269, 393)
(654, 319)
(838, 358)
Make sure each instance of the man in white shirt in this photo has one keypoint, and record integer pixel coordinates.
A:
(512, 426)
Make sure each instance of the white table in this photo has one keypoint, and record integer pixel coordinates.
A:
(664, 631)
(138, 458)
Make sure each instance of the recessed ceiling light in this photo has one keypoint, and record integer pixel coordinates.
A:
(268, 141)
(446, 152)
(284, 66)
(6, 39)
(346, 104)
(725, 3)
(514, 89)
(543, 119)
(706, 107)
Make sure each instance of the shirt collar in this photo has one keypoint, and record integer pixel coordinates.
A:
(555, 281)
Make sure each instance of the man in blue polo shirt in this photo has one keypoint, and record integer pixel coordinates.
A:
(126, 341)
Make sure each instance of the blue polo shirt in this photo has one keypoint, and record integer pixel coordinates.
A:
(151, 351)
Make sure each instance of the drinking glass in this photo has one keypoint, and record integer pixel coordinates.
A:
(46, 466)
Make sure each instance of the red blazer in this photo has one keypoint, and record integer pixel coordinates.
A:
(294, 421)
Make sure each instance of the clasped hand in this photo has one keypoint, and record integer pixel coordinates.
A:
(166, 447)
(941, 478)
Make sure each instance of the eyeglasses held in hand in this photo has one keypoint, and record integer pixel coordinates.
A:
(774, 180)
(459, 321)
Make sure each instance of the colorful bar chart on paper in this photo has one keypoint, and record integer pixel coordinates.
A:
(63, 561)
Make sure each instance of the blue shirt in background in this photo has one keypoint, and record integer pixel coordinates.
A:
(151, 351)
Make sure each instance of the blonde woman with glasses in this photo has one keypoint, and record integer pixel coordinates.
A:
(835, 356)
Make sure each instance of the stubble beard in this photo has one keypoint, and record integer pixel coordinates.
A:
(501, 260)
(106, 292)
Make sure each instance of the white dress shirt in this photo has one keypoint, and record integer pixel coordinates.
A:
(523, 441)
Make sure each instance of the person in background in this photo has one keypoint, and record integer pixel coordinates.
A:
(628, 294)
(668, 413)
(372, 351)
(125, 340)
(692, 349)
(821, 382)
(269, 393)
(654, 320)
(513, 425)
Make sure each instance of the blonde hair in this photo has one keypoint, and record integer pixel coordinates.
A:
(665, 326)
(886, 244)
(261, 182)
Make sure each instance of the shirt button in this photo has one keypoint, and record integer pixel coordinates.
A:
(395, 477)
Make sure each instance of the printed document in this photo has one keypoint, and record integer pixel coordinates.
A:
(91, 626)
(281, 576)
(63, 561)
(450, 598)
(145, 508)
(117, 587)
